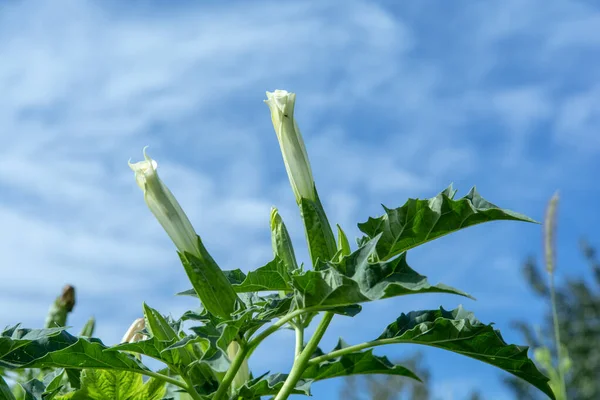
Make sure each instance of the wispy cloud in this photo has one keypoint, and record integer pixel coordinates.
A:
(393, 100)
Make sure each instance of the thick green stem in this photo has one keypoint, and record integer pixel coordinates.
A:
(190, 388)
(302, 360)
(299, 328)
(232, 371)
(252, 344)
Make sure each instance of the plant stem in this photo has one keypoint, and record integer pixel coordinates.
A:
(252, 344)
(190, 388)
(549, 248)
(168, 379)
(232, 371)
(559, 352)
(299, 337)
(345, 350)
(302, 360)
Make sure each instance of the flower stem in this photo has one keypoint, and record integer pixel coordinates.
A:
(167, 379)
(252, 344)
(301, 362)
(299, 337)
(232, 371)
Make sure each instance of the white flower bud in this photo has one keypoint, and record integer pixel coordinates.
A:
(281, 103)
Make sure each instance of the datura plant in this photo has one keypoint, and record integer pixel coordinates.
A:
(208, 357)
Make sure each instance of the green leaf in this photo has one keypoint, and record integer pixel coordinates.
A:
(157, 326)
(281, 242)
(343, 244)
(189, 292)
(46, 349)
(266, 385)
(153, 389)
(271, 277)
(14, 337)
(355, 280)
(36, 390)
(162, 350)
(353, 364)
(167, 333)
(458, 331)
(33, 390)
(419, 221)
(209, 282)
(54, 379)
(349, 364)
(74, 377)
(151, 347)
(5, 392)
(111, 385)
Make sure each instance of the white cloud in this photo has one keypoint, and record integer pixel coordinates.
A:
(389, 106)
(85, 88)
(578, 122)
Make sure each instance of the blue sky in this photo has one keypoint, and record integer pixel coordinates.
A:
(394, 99)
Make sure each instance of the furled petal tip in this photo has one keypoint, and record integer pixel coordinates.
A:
(143, 169)
(281, 99)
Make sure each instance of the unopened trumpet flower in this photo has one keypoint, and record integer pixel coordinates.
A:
(281, 103)
(164, 206)
(321, 242)
(134, 334)
(211, 285)
(243, 374)
(281, 241)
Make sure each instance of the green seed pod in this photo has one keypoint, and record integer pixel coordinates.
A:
(62, 306)
(280, 239)
(88, 328)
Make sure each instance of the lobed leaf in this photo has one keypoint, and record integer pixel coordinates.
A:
(458, 331)
(348, 364)
(50, 349)
(420, 221)
(360, 362)
(271, 277)
(14, 337)
(355, 279)
(266, 385)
